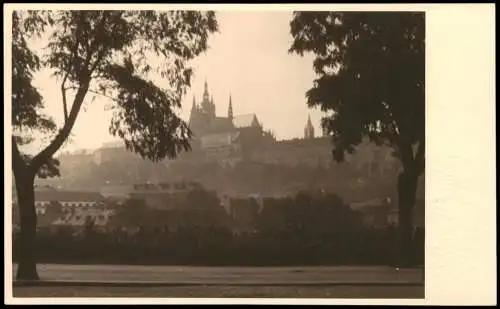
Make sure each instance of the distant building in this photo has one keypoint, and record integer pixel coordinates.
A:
(227, 148)
(309, 129)
(163, 195)
(222, 136)
(79, 217)
(116, 191)
(110, 152)
(67, 199)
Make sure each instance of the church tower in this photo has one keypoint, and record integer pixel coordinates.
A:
(194, 112)
(212, 106)
(230, 109)
(205, 93)
(207, 105)
(309, 129)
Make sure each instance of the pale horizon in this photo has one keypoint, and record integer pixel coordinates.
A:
(248, 59)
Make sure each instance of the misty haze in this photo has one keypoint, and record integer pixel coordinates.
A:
(219, 154)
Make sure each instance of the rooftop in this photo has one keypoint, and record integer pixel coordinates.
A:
(246, 120)
(68, 196)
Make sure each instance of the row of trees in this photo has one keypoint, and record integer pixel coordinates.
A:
(197, 245)
(305, 213)
(307, 229)
(371, 68)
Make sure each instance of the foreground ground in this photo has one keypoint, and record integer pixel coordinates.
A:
(226, 282)
(223, 275)
(407, 292)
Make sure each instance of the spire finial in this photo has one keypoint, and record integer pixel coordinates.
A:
(230, 108)
(206, 96)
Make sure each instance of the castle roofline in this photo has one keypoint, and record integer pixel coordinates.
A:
(245, 120)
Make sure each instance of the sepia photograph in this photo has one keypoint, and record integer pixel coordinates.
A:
(199, 153)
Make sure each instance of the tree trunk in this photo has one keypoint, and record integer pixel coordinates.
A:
(27, 238)
(407, 189)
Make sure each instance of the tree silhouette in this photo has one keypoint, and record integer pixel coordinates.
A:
(371, 77)
(104, 53)
(54, 211)
(133, 213)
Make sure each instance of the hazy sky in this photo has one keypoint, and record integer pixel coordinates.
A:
(248, 58)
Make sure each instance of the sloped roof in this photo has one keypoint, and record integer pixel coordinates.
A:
(220, 124)
(68, 196)
(244, 121)
(219, 139)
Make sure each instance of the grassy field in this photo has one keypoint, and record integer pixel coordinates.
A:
(407, 292)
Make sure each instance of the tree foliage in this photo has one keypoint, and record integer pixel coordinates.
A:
(132, 213)
(115, 54)
(27, 102)
(371, 76)
(110, 53)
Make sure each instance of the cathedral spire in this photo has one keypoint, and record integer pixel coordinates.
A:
(230, 108)
(193, 108)
(205, 92)
(212, 105)
(309, 129)
(309, 123)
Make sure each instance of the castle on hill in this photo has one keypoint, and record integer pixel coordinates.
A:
(231, 145)
(205, 123)
(230, 134)
(231, 138)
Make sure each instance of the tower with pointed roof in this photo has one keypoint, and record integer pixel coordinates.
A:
(230, 109)
(207, 105)
(208, 128)
(205, 92)
(309, 129)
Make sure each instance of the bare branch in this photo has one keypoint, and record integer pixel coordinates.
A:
(103, 95)
(63, 134)
(68, 70)
(63, 93)
(96, 92)
(100, 55)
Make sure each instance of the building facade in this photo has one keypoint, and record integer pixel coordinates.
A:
(67, 199)
(222, 136)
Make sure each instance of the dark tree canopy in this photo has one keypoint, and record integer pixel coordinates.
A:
(27, 102)
(371, 76)
(118, 55)
(26, 99)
